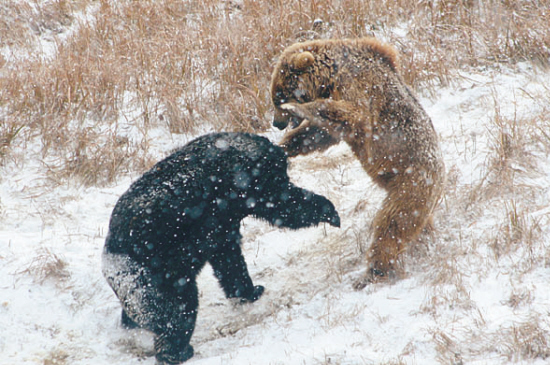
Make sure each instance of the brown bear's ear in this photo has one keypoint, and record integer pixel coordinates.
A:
(301, 61)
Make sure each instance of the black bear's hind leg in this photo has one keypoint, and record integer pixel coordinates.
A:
(174, 324)
(169, 352)
(127, 322)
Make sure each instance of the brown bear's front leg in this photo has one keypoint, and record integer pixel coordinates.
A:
(322, 124)
(307, 138)
(323, 112)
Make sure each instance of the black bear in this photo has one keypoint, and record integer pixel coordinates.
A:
(186, 211)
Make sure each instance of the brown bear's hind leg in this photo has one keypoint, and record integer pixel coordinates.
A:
(400, 220)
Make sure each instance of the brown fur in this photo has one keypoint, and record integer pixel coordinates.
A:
(350, 90)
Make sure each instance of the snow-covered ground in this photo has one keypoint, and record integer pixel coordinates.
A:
(459, 300)
(477, 292)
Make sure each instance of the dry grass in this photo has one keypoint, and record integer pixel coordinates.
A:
(525, 340)
(56, 357)
(188, 66)
(47, 266)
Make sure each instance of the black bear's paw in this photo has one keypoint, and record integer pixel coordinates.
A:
(168, 354)
(127, 322)
(256, 294)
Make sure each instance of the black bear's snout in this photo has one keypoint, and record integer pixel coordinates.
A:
(329, 214)
(334, 219)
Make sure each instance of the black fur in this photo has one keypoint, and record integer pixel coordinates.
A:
(186, 211)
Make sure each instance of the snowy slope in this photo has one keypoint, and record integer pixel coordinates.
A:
(459, 302)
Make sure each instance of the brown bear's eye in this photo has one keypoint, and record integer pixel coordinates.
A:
(325, 92)
(280, 99)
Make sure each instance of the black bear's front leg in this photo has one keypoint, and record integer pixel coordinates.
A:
(230, 269)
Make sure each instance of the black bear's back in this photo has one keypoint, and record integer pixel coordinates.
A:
(212, 154)
(195, 186)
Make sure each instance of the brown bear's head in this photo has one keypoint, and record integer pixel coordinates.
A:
(326, 68)
(298, 77)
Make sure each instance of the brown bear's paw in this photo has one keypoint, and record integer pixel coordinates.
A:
(299, 112)
(361, 283)
(374, 276)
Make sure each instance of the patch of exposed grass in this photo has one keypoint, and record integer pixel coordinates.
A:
(45, 266)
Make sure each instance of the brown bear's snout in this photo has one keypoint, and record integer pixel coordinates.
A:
(280, 119)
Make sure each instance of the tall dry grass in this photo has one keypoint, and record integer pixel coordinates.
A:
(195, 65)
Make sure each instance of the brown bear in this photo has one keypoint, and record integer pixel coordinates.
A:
(351, 90)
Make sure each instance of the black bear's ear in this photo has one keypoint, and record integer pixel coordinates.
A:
(301, 61)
